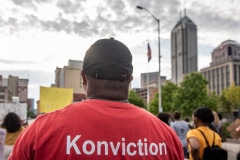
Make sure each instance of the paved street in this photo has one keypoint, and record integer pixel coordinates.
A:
(232, 148)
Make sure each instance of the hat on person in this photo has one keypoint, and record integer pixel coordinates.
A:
(108, 59)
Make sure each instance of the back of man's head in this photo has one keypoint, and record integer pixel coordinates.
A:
(108, 59)
(177, 115)
(108, 68)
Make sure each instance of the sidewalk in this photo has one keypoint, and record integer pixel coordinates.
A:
(233, 147)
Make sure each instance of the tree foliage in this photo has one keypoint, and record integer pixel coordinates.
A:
(153, 106)
(168, 93)
(233, 96)
(186, 97)
(135, 99)
(192, 93)
(212, 101)
(224, 105)
(229, 100)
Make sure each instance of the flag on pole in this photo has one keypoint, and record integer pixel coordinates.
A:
(149, 53)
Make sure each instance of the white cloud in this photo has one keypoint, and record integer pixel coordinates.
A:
(39, 35)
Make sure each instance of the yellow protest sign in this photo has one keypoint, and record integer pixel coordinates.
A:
(52, 98)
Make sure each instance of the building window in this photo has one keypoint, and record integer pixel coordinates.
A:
(209, 75)
(222, 77)
(223, 85)
(229, 51)
(227, 76)
(238, 75)
(235, 73)
(213, 79)
(218, 79)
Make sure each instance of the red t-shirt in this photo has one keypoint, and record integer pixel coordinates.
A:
(98, 129)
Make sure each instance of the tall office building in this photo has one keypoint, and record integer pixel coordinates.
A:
(13, 84)
(23, 90)
(13, 87)
(5, 93)
(149, 85)
(184, 57)
(70, 77)
(224, 68)
(150, 79)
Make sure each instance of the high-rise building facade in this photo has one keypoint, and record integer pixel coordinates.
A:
(184, 56)
(5, 93)
(13, 87)
(70, 77)
(149, 85)
(23, 90)
(13, 84)
(150, 79)
(224, 68)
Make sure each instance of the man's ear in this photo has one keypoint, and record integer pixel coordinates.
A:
(130, 79)
(195, 120)
(83, 74)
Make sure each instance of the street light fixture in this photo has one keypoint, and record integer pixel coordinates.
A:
(159, 57)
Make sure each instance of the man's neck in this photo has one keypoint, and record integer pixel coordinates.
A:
(99, 98)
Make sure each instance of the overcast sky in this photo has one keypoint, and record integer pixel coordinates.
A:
(36, 36)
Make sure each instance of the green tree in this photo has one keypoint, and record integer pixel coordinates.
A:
(168, 92)
(153, 106)
(135, 99)
(229, 100)
(224, 105)
(212, 101)
(186, 97)
(30, 114)
(191, 94)
(233, 96)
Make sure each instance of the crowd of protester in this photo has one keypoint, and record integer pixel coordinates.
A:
(203, 119)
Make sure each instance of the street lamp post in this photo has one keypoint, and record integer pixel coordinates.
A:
(159, 62)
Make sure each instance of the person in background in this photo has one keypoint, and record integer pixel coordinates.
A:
(202, 116)
(186, 119)
(218, 125)
(13, 125)
(181, 128)
(105, 125)
(165, 117)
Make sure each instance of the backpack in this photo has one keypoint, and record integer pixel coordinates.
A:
(213, 152)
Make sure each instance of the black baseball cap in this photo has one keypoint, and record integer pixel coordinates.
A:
(108, 59)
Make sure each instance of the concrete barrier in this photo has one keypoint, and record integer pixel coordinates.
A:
(231, 147)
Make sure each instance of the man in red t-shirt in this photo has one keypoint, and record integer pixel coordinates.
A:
(105, 126)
